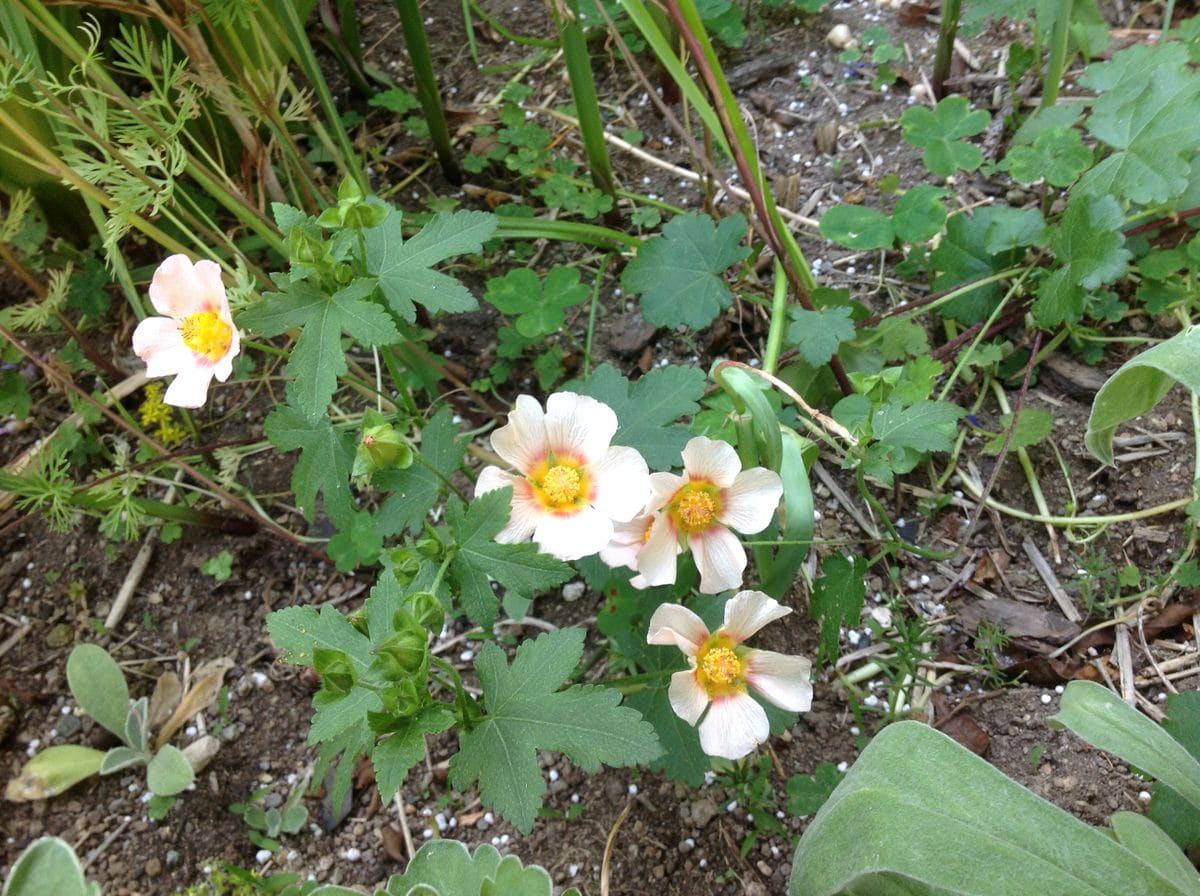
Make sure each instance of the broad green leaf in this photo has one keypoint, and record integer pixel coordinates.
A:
(1168, 809)
(447, 868)
(169, 772)
(857, 227)
(52, 771)
(925, 426)
(404, 268)
(1010, 228)
(318, 359)
(1033, 425)
(1090, 250)
(1062, 115)
(647, 409)
(326, 458)
(414, 491)
(48, 867)
(913, 786)
(1058, 155)
(538, 309)
(1148, 842)
(919, 213)
(479, 559)
(807, 793)
(405, 747)
(525, 713)
(961, 256)
(939, 132)
(1107, 722)
(1142, 118)
(678, 272)
(98, 685)
(1139, 384)
(818, 334)
(837, 599)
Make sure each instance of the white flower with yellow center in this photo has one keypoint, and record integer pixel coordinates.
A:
(196, 340)
(570, 484)
(722, 671)
(698, 509)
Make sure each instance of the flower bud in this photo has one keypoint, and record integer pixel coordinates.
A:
(335, 669)
(404, 653)
(381, 447)
(427, 610)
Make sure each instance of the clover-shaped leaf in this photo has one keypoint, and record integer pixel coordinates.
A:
(538, 309)
(940, 131)
(1058, 155)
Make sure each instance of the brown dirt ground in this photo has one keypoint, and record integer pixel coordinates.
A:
(674, 839)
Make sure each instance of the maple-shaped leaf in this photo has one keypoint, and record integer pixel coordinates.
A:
(1089, 248)
(1146, 114)
(479, 558)
(318, 359)
(923, 426)
(647, 410)
(538, 310)
(1058, 155)
(405, 747)
(939, 132)
(526, 712)
(678, 272)
(326, 458)
(414, 490)
(963, 255)
(818, 334)
(302, 634)
(404, 267)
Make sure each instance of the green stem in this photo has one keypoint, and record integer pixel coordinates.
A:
(566, 231)
(1060, 34)
(778, 321)
(945, 47)
(587, 107)
(427, 88)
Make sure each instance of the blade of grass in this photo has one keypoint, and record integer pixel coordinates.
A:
(427, 88)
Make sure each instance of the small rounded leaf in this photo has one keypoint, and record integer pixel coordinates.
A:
(98, 686)
(47, 867)
(169, 772)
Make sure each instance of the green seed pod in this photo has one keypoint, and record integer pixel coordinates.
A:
(335, 669)
(427, 610)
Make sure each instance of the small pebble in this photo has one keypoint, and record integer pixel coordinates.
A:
(1046, 698)
(262, 856)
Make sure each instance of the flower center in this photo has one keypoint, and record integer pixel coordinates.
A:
(206, 334)
(695, 507)
(562, 485)
(721, 666)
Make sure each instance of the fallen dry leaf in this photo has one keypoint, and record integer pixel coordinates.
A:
(208, 679)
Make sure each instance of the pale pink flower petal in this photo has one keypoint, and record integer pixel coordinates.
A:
(750, 502)
(574, 535)
(676, 624)
(720, 558)
(748, 611)
(189, 389)
(711, 460)
(733, 727)
(178, 289)
(622, 482)
(627, 542)
(522, 441)
(662, 487)
(784, 680)
(687, 697)
(197, 339)
(580, 426)
(522, 519)
(656, 562)
(157, 341)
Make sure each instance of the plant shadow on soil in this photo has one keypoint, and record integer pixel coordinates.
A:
(674, 839)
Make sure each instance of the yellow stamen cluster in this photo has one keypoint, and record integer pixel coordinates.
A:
(560, 484)
(695, 507)
(206, 334)
(719, 668)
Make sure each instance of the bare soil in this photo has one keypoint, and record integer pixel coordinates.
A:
(673, 839)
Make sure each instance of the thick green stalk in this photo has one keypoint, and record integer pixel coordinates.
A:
(427, 88)
(1060, 34)
(945, 46)
(587, 107)
(511, 228)
(778, 321)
